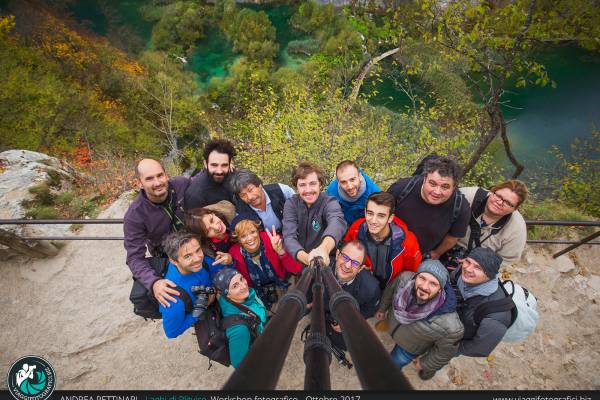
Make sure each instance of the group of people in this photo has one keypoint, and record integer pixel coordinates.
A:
(423, 255)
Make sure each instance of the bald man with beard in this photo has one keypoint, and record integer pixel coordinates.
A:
(156, 211)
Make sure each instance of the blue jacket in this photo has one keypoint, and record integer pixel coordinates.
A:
(239, 335)
(353, 210)
(175, 320)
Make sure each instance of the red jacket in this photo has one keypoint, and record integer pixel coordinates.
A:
(280, 264)
(404, 248)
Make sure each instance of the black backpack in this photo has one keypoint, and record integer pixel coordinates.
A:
(210, 331)
(144, 303)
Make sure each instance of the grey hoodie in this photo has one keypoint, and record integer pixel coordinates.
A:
(304, 228)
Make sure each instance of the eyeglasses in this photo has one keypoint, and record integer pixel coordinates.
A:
(354, 263)
(504, 202)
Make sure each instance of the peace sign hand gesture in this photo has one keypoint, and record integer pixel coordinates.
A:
(276, 241)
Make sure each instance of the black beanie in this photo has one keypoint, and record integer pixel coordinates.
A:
(488, 260)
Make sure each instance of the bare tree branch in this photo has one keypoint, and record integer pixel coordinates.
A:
(364, 72)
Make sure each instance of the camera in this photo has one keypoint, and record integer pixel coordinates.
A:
(268, 294)
(201, 304)
(451, 257)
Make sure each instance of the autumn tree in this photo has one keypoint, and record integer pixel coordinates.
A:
(492, 43)
(169, 103)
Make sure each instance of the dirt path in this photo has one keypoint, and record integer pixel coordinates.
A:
(74, 311)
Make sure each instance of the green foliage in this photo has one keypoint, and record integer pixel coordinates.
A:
(181, 26)
(169, 103)
(252, 34)
(578, 181)
(49, 204)
(42, 195)
(42, 212)
(551, 209)
(312, 17)
(340, 43)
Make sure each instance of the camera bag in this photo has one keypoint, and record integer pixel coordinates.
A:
(144, 303)
(211, 327)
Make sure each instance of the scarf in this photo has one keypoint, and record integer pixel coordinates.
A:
(361, 191)
(483, 289)
(406, 308)
(221, 245)
(262, 274)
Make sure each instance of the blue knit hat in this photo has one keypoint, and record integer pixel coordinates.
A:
(435, 268)
(222, 279)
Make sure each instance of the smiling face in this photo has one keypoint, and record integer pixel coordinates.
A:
(254, 196)
(309, 188)
(189, 257)
(348, 262)
(218, 166)
(154, 180)
(502, 202)
(250, 239)
(378, 218)
(472, 273)
(426, 287)
(238, 289)
(349, 179)
(215, 228)
(437, 189)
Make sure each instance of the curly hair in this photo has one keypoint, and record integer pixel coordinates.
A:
(220, 146)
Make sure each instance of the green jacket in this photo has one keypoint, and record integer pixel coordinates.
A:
(239, 336)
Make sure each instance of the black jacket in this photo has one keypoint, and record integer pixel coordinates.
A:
(480, 340)
(204, 191)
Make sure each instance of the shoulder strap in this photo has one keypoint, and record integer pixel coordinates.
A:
(185, 297)
(245, 310)
(233, 320)
(477, 208)
(171, 210)
(478, 204)
(458, 199)
(494, 306)
(407, 189)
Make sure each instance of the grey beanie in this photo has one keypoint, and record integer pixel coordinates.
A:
(488, 260)
(222, 279)
(435, 268)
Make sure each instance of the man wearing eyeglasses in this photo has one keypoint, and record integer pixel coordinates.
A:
(495, 220)
(354, 278)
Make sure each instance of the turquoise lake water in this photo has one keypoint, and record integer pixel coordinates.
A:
(545, 117)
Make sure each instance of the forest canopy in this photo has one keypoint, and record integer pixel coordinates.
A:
(65, 86)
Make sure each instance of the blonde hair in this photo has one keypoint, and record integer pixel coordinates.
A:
(244, 226)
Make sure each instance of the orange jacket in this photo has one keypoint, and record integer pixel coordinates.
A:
(405, 253)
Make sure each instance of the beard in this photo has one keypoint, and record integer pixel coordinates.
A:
(219, 178)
